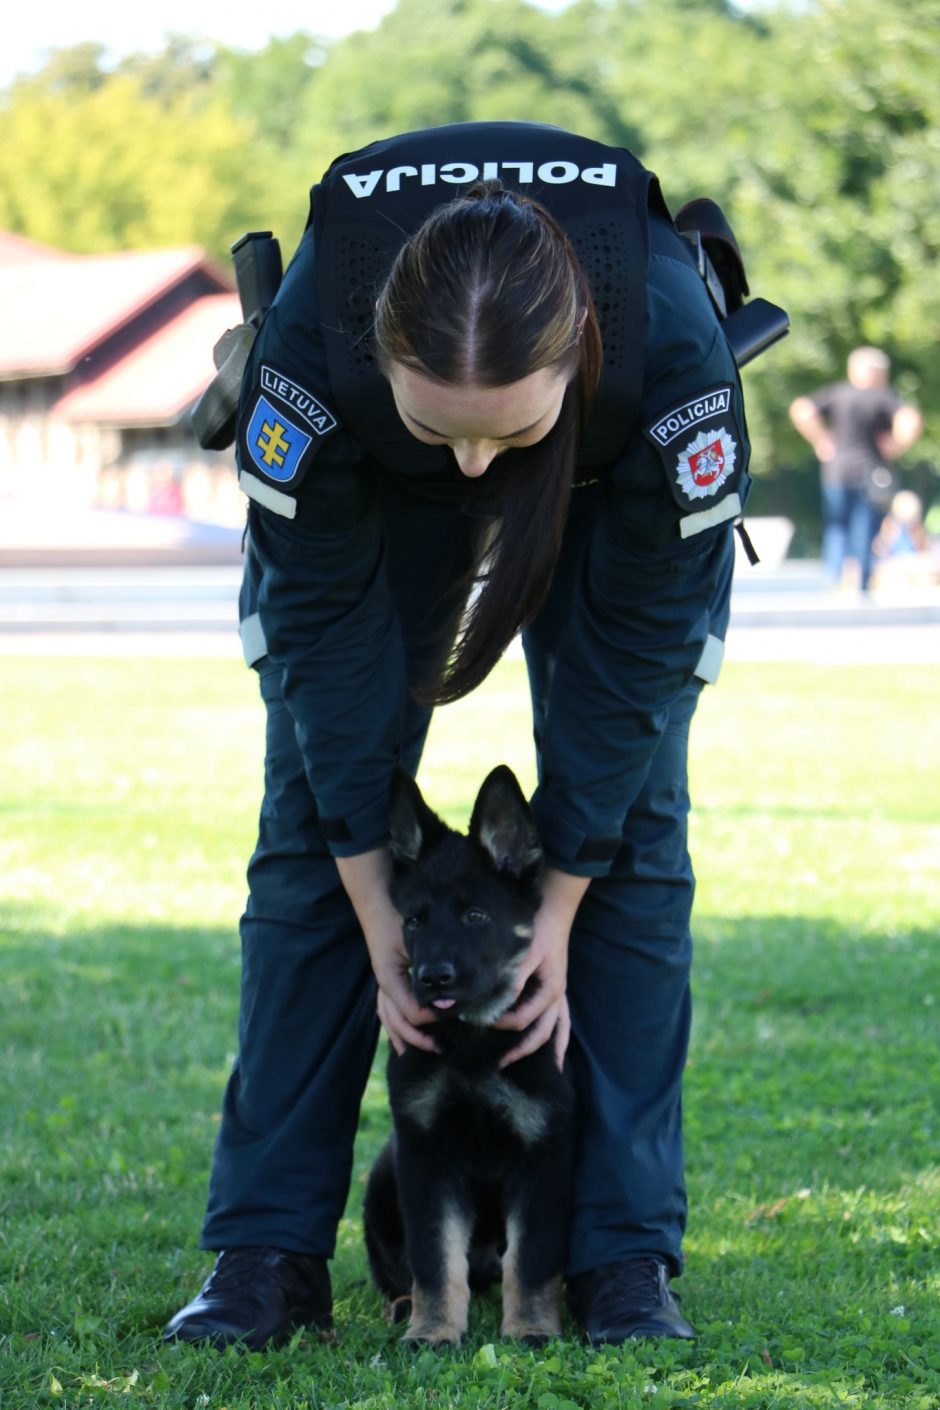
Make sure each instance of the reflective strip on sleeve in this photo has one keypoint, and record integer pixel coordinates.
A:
(271, 499)
(729, 508)
(254, 645)
(710, 661)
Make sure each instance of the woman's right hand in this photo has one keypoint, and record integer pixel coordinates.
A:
(399, 1011)
(365, 879)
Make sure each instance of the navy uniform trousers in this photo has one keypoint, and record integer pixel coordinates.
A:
(308, 1027)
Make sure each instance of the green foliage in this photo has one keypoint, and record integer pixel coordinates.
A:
(433, 63)
(185, 65)
(120, 167)
(272, 93)
(128, 808)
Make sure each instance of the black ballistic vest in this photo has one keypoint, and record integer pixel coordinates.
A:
(370, 202)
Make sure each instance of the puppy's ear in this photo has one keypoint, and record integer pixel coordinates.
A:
(413, 826)
(503, 825)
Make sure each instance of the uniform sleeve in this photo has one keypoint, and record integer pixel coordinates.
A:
(315, 587)
(653, 585)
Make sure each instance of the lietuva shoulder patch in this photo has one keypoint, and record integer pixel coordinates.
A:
(284, 425)
(702, 450)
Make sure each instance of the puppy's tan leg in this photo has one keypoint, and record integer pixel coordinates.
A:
(439, 1312)
(531, 1314)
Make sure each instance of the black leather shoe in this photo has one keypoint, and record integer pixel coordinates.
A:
(624, 1300)
(256, 1296)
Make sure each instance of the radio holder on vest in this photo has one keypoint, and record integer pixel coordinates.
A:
(258, 274)
(751, 328)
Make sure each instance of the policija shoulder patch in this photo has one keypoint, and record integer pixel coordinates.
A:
(284, 423)
(700, 446)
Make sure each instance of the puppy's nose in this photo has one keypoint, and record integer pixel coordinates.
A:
(436, 977)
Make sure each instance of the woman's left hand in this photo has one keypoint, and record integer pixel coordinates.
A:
(545, 1014)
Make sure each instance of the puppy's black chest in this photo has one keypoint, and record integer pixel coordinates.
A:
(476, 1109)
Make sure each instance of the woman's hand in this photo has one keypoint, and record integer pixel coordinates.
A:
(398, 1010)
(547, 959)
(365, 879)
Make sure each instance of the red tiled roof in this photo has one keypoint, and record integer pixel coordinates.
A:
(55, 307)
(157, 381)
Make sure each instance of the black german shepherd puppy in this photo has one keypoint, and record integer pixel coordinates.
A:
(478, 1169)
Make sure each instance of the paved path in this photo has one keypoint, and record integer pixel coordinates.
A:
(92, 582)
(778, 615)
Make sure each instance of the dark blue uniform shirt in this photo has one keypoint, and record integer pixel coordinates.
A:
(650, 602)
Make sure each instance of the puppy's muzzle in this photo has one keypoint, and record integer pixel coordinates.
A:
(435, 983)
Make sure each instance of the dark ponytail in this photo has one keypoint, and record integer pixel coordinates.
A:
(486, 292)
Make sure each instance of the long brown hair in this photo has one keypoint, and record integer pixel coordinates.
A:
(487, 291)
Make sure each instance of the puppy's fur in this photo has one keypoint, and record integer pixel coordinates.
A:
(474, 1183)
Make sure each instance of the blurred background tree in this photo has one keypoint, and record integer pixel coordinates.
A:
(816, 125)
(150, 155)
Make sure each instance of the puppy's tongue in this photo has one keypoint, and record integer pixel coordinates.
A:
(443, 1003)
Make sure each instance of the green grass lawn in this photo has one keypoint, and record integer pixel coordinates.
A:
(128, 803)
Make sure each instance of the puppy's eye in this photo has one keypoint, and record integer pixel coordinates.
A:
(414, 922)
(475, 917)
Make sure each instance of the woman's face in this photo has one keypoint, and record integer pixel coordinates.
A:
(478, 423)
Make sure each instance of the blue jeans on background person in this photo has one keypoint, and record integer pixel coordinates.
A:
(850, 523)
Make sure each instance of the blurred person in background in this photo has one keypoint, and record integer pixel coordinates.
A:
(905, 553)
(857, 429)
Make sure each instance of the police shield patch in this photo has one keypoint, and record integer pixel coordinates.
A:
(699, 445)
(274, 442)
(706, 462)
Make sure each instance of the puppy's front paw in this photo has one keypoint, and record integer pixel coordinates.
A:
(533, 1315)
(438, 1320)
(419, 1336)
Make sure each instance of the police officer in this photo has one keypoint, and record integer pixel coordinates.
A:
(492, 376)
